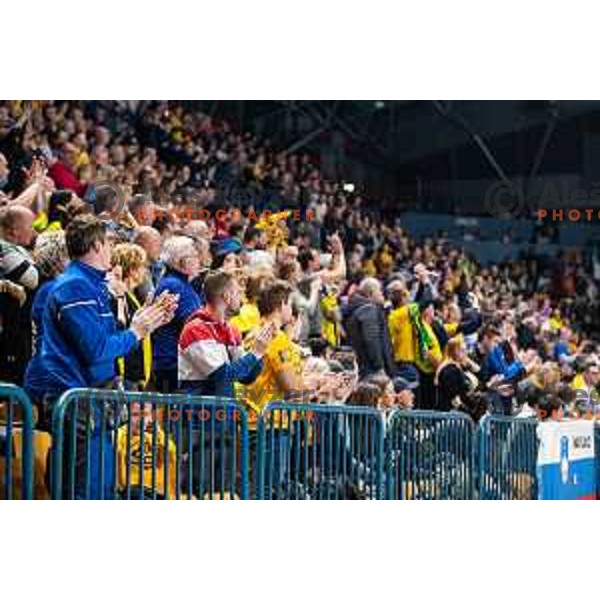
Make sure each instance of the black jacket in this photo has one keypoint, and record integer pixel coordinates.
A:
(368, 334)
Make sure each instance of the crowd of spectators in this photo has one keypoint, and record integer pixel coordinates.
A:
(337, 306)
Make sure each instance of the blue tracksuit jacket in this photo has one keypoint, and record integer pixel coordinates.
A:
(80, 340)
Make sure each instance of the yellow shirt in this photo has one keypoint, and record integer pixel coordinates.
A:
(385, 262)
(83, 158)
(247, 319)
(404, 341)
(369, 268)
(578, 382)
(41, 223)
(330, 328)
(555, 323)
(136, 478)
(42, 443)
(281, 353)
(401, 335)
(451, 328)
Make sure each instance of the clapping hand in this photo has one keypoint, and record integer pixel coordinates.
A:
(336, 387)
(154, 314)
(262, 339)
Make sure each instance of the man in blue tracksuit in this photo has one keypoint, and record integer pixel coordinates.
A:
(80, 343)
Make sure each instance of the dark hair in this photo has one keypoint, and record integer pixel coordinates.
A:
(305, 256)
(216, 283)
(105, 199)
(251, 234)
(380, 379)
(318, 346)
(237, 229)
(365, 394)
(82, 233)
(425, 303)
(57, 207)
(490, 330)
(398, 295)
(272, 296)
(253, 286)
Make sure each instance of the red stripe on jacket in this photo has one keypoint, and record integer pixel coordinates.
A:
(202, 326)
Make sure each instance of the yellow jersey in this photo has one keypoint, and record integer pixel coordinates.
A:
(138, 478)
(404, 342)
(451, 328)
(281, 353)
(330, 327)
(42, 443)
(555, 323)
(401, 335)
(247, 319)
(578, 382)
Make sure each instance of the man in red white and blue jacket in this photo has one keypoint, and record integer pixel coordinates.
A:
(211, 358)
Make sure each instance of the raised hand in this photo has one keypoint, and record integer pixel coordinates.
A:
(335, 243)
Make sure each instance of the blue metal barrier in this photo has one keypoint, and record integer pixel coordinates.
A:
(429, 456)
(134, 445)
(318, 452)
(508, 452)
(110, 444)
(16, 444)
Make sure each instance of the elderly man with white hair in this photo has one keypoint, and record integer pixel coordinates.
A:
(182, 265)
(201, 234)
(366, 326)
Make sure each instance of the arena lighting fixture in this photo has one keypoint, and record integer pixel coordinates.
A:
(379, 104)
(348, 187)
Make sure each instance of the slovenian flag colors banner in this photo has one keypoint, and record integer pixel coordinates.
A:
(566, 465)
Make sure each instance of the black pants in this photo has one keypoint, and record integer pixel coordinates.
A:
(165, 381)
(210, 456)
(426, 394)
